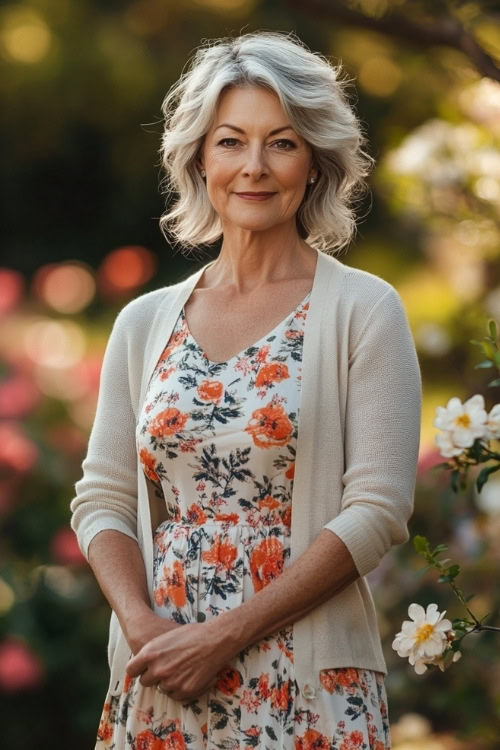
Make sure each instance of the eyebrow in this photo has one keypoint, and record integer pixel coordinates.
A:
(240, 130)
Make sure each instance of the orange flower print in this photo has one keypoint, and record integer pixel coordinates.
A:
(283, 647)
(167, 422)
(266, 562)
(196, 514)
(148, 462)
(223, 554)
(352, 742)
(253, 731)
(269, 502)
(290, 472)
(270, 425)
(147, 740)
(210, 390)
(126, 683)
(346, 676)
(105, 731)
(280, 697)
(229, 680)
(172, 587)
(287, 517)
(165, 373)
(312, 740)
(273, 372)
(173, 741)
(264, 685)
(293, 334)
(261, 355)
(230, 517)
(343, 676)
(176, 339)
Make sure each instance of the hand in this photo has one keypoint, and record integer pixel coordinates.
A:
(185, 661)
(146, 626)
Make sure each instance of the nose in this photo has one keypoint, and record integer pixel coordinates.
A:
(255, 164)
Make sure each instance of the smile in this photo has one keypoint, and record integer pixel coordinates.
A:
(255, 196)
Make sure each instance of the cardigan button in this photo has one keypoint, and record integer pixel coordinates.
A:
(308, 691)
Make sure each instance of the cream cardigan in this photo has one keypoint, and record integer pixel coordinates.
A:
(356, 459)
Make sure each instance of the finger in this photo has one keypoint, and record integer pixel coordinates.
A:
(137, 665)
(147, 679)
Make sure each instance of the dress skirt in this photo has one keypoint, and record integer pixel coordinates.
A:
(218, 441)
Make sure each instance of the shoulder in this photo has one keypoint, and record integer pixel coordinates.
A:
(363, 287)
(366, 302)
(137, 314)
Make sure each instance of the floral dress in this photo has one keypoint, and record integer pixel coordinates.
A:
(218, 441)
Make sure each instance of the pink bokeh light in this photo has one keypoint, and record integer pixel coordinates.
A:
(12, 289)
(20, 667)
(64, 548)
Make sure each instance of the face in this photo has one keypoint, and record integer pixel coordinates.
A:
(243, 152)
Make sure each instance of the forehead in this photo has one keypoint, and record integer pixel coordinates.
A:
(248, 104)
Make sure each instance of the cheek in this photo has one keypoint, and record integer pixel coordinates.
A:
(293, 173)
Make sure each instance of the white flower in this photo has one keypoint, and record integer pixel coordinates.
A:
(447, 448)
(493, 423)
(421, 666)
(423, 639)
(462, 424)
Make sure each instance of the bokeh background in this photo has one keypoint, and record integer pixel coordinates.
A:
(82, 85)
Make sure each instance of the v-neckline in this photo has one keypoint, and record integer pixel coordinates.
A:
(239, 354)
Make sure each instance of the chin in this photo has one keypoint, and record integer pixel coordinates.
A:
(256, 225)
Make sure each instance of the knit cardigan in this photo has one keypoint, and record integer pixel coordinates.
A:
(356, 457)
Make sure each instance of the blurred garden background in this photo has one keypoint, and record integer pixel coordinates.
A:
(82, 86)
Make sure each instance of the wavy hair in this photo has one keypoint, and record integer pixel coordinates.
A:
(314, 98)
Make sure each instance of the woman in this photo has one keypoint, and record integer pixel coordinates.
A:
(253, 455)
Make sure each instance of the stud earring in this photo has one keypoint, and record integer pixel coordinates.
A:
(202, 172)
(313, 179)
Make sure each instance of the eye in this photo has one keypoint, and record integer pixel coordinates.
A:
(289, 143)
(224, 140)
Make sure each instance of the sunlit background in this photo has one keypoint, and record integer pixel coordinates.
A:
(82, 85)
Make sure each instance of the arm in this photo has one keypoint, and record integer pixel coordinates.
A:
(106, 494)
(382, 434)
(323, 570)
(104, 510)
(119, 569)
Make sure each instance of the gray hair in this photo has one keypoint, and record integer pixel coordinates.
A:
(313, 97)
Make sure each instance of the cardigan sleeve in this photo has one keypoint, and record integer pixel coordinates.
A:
(106, 494)
(382, 435)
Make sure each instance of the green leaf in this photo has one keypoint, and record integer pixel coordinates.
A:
(445, 465)
(444, 579)
(440, 548)
(493, 328)
(494, 383)
(454, 480)
(488, 348)
(474, 341)
(484, 363)
(420, 544)
(454, 571)
(422, 570)
(484, 474)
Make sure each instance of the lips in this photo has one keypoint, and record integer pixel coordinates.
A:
(254, 194)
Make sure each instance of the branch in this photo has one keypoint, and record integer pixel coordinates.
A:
(447, 32)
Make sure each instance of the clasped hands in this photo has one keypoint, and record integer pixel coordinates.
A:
(184, 661)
